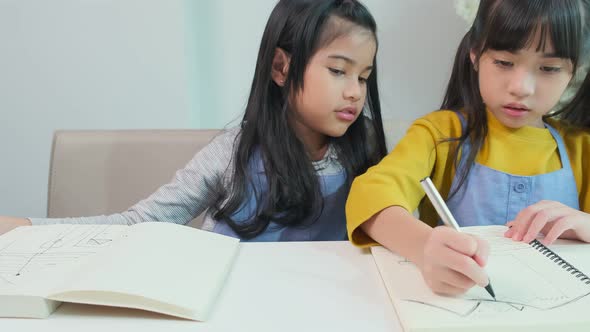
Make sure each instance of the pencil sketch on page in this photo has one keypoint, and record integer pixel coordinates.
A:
(524, 280)
(32, 250)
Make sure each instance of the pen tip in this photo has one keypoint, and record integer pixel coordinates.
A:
(491, 291)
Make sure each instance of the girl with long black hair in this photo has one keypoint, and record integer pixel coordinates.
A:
(312, 123)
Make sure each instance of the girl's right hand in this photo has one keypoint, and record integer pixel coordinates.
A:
(453, 261)
(10, 223)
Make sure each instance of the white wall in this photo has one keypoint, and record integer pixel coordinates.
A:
(107, 64)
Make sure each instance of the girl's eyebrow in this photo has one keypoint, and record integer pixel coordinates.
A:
(347, 59)
(551, 55)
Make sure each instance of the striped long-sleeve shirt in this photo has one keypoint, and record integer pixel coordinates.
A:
(191, 192)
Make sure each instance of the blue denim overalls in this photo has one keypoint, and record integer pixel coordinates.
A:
(492, 197)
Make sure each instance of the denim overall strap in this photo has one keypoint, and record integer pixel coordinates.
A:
(330, 225)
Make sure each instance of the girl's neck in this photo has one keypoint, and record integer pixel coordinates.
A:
(317, 152)
(315, 144)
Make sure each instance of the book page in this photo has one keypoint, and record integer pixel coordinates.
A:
(528, 285)
(523, 275)
(162, 267)
(34, 259)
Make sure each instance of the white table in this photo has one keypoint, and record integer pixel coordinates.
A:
(288, 286)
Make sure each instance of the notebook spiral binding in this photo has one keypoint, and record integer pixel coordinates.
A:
(560, 261)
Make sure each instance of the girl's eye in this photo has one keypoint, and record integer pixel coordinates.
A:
(336, 72)
(363, 80)
(502, 63)
(549, 69)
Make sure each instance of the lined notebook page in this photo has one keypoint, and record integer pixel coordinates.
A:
(533, 291)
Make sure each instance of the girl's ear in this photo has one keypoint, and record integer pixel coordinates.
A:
(473, 58)
(280, 66)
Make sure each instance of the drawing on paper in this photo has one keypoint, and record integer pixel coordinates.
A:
(51, 246)
(524, 280)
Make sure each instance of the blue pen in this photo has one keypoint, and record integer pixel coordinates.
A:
(445, 214)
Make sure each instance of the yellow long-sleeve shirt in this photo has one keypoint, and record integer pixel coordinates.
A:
(395, 181)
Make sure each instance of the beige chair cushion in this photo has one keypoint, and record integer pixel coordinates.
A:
(104, 172)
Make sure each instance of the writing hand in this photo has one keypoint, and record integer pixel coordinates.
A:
(453, 261)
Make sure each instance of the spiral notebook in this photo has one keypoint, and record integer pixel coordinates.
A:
(537, 289)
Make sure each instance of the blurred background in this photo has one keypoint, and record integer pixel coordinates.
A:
(145, 64)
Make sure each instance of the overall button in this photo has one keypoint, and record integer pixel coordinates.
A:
(519, 187)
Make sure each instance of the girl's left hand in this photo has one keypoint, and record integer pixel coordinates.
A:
(551, 218)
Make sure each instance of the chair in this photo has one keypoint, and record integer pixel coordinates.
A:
(95, 172)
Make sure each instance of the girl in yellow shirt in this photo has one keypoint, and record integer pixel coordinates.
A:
(496, 152)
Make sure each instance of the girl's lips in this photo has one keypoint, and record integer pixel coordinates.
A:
(515, 109)
(347, 113)
(517, 106)
(343, 115)
(514, 112)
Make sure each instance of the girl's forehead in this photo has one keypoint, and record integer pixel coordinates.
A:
(337, 28)
(354, 48)
(358, 38)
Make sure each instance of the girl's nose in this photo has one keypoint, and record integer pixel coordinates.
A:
(353, 91)
(522, 84)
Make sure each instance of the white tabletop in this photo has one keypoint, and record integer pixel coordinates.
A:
(281, 286)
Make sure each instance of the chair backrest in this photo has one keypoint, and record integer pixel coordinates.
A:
(95, 172)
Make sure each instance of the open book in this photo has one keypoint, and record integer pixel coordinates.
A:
(161, 267)
(537, 289)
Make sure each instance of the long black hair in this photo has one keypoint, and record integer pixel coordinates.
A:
(301, 28)
(577, 112)
(506, 25)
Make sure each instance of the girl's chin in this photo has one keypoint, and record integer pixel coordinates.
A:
(517, 119)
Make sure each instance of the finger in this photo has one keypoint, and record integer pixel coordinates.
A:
(460, 242)
(465, 265)
(520, 227)
(446, 289)
(558, 227)
(454, 279)
(532, 209)
(538, 222)
(525, 217)
(482, 253)
(542, 219)
(510, 231)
